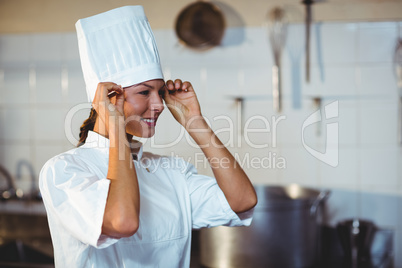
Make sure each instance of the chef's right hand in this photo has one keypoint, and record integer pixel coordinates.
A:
(106, 106)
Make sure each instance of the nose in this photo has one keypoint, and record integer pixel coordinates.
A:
(157, 103)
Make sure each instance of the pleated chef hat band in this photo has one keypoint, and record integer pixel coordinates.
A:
(117, 46)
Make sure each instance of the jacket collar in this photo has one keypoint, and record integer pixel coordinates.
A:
(95, 140)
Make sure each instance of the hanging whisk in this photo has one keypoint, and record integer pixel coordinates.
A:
(277, 27)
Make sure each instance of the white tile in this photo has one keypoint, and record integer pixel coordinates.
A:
(377, 80)
(233, 36)
(346, 173)
(224, 120)
(12, 153)
(16, 85)
(43, 152)
(2, 123)
(222, 84)
(291, 124)
(161, 38)
(301, 167)
(17, 124)
(259, 124)
(180, 55)
(2, 89)
(263, 166)
(378, 121)
(257, 81)
(173, 53)
(47, 47)
(345, 121)
(338, 81)
(341, 205)
(168, 132)
(339, 42)
(69, 47)
(49, 124)
(16, 48)
(222, 55)
(76, 85)
(194, 76)
(72, 121)
(380, 208)
(48, 84)
(376, 42)
(379, 166)
(256, 49)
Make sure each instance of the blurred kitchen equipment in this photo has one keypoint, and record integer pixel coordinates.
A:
(320, 60)
(9, 190)
(200, 25)
(398, 71)
(295, 48)
(308, 4)
(318, 104)
(34, 191)
(240, 115)
(356, 237)
(285, 232)
(277, 30)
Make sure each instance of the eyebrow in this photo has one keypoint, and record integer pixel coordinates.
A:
(148, 86)
(143, 84)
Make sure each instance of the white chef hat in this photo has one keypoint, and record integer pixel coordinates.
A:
(117, 46)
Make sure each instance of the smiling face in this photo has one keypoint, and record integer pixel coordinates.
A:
(142, 107)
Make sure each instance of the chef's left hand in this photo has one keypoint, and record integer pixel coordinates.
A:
(182, 102)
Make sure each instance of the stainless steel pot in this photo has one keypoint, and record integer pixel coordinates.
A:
(285, 232)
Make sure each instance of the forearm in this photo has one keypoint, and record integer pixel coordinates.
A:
(231, 178)
(121, 216)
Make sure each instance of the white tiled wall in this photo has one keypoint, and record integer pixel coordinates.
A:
(41, 80)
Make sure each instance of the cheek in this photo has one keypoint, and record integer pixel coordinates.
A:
(133, 107)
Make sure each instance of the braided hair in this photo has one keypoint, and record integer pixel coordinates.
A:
(88, 125)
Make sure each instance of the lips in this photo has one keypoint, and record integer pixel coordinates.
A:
(151, 122)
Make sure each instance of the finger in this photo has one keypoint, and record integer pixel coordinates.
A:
(187, 87)
(101, 95)
(170, 87)
(114, 90)
(119, 101)
(178, 84)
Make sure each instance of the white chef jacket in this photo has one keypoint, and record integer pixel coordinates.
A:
(174, 199)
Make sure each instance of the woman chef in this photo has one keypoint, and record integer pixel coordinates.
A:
(105, 207)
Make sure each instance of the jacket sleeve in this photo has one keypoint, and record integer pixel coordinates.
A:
(209, 207)
(75, 197)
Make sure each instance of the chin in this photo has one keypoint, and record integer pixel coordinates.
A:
(140, 131)
(146, 135)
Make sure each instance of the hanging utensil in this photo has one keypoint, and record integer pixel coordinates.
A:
(200, 25)
(398, 71)
(295, 48)
(308, 4)
(277, 26)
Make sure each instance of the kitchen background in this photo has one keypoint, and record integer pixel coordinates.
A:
(352, 62)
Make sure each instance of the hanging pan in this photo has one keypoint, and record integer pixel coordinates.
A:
(200, 25)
